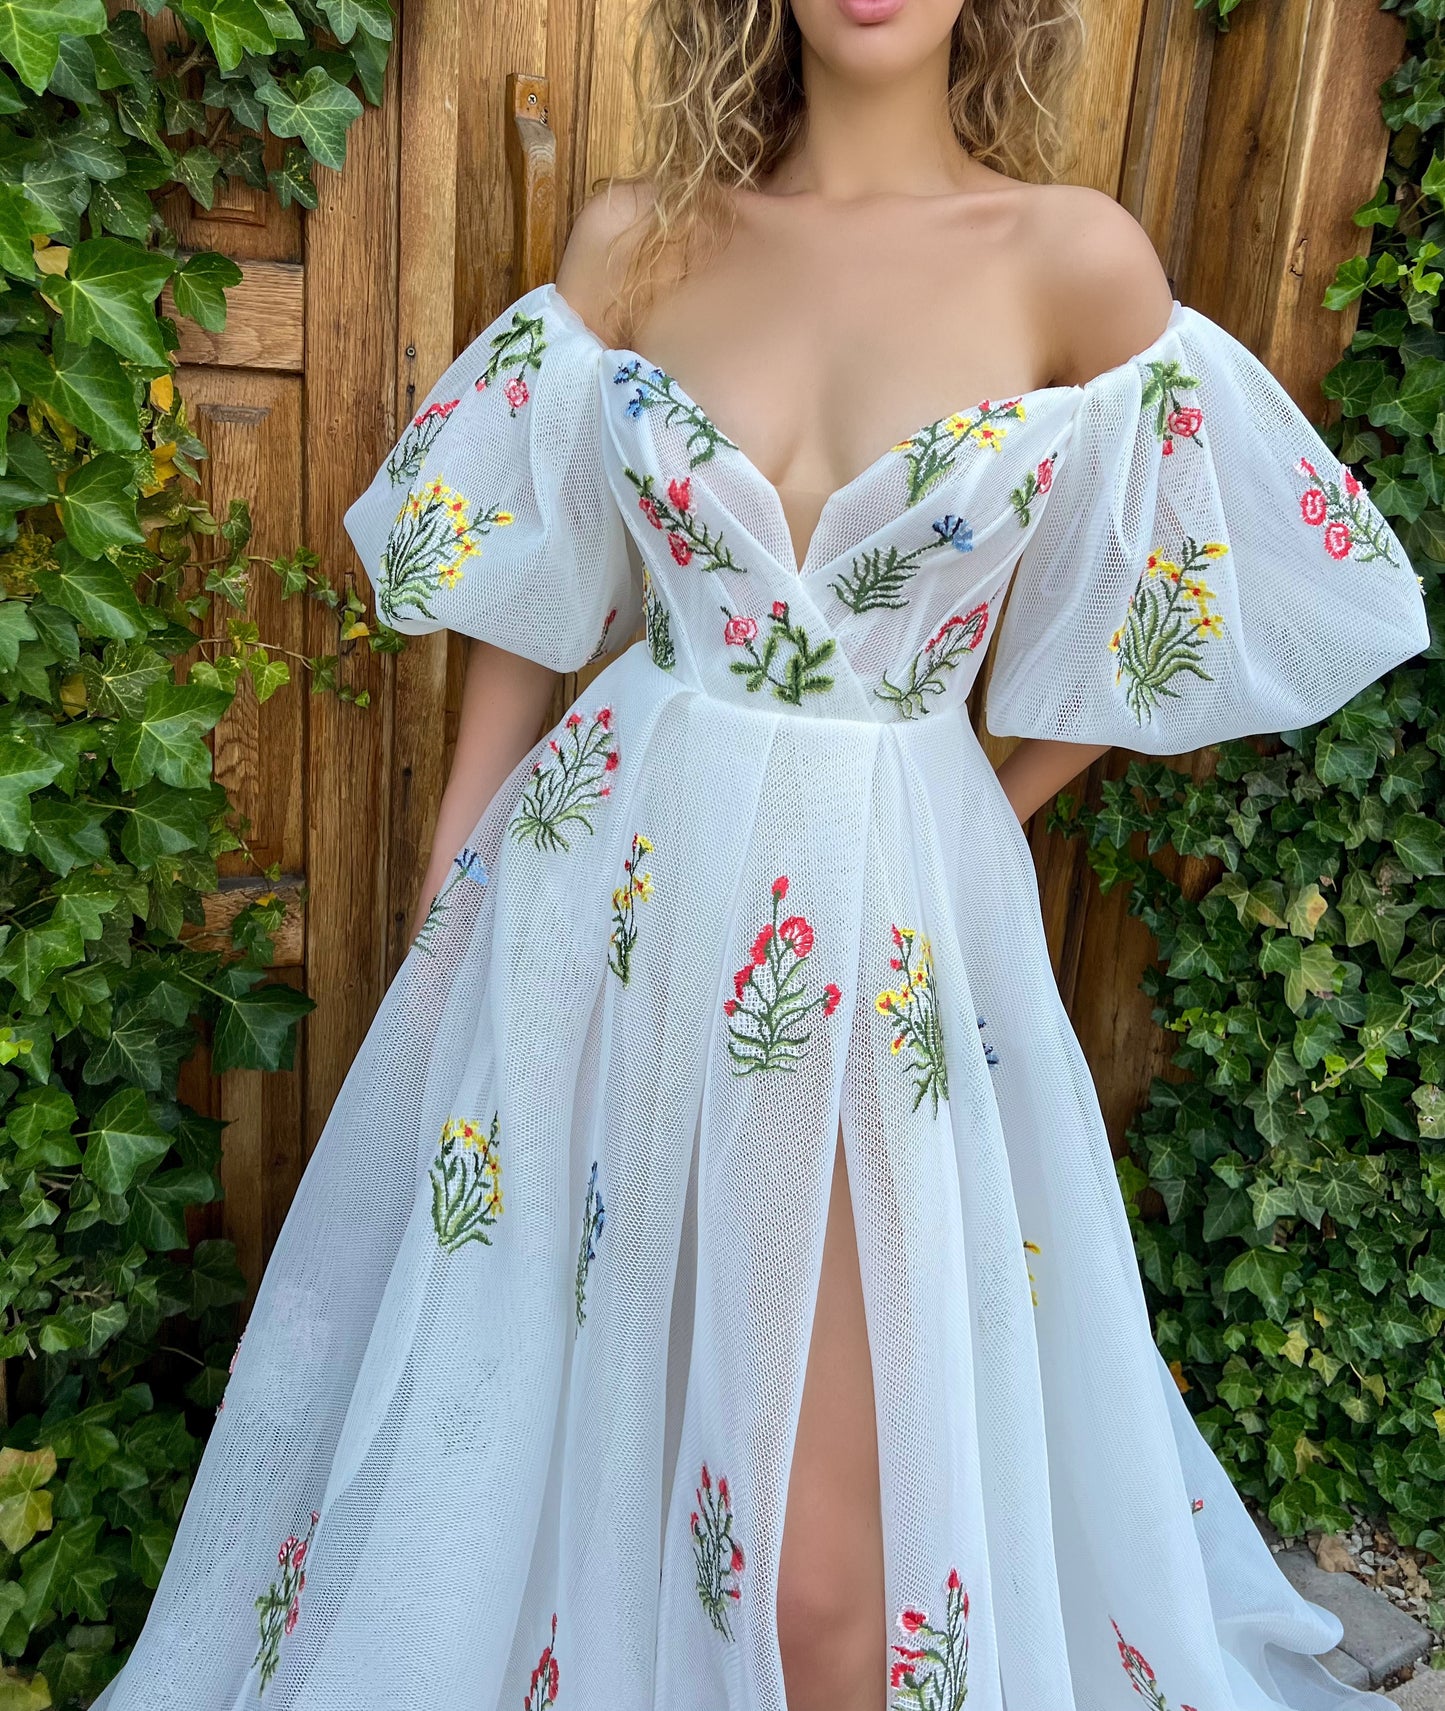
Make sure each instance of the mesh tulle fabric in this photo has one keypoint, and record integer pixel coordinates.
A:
(1193, 469)
(531, 1344)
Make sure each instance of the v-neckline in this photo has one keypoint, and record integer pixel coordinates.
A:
(804, 567)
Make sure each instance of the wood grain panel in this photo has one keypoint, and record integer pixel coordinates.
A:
(265, 323)
(251, 425)
(351, 423)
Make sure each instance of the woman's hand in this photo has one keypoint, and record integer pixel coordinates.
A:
(1036, 771)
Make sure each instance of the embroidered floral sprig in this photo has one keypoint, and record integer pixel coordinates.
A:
(466, 1183)
(990, 1056)
(1353, 528)
(466, 865)
(279, 1606)
(410, 451)
(428, 547)
(1033, 486)
(954, 638)
(929, 1670)
(932, 451)
(542, 1689)
(718, 1556)
(689, 540)
(571, 784)
(658, 624)
(770, 1000)
(636, 888)
(601, 647)
(788, 660)
(1162, 393)
(1031, 1248)
(912, 1010)
(656, 389)
(1168, 625)
(519, 344)
(875, 579)
(593, 1219)
(1141, 1676)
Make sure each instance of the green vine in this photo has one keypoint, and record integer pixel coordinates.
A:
(1288, 1195)
(123, 640)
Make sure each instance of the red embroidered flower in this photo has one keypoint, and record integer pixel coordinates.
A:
(516, 393)
(1338, 540)
(738, 632)
(1168, 448)
(831, 998)
(780, 608)
(291, 1615)
(897, 938)
(737, 1559)
(1045, 474)
(797, 935)
(722, 1488)
(574, 720)
(912, 1620)
(1352, 486)
(706, 1478)
(603, 717)
(953, 1581)
(610, 764)
(681, 551)
(648, 507)
(760, 944)
(740, 980)
(903, 1669)
(1186, 421)
(435, 410)
(780, 886)
(729, 1006)
(1313, 506)
(680, 493)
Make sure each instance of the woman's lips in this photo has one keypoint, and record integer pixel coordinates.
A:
(870, 11)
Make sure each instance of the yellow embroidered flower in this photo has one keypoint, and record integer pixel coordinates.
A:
(644, 843)
(902, 446)
(958, 424)
(888, 1001)
(1157, 565)
(642, 885)
(1199, 591)
(1214, 549)
(619, 897)
(896, 1044)
(455, 504)
(450, 575)
(1115, 639)
(436, 489)
(987, 434)
(503, 517)
(1209, 624)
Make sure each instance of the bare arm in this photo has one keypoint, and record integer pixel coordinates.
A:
(1112, 301)
(504, 702)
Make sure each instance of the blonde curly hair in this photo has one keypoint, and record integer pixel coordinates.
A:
(718, 85)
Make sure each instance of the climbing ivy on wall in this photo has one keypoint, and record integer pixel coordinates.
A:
(123, 640)
(1294, 1241)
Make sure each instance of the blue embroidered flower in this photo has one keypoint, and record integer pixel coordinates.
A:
(628, 371)
(990, 1055)
(592, 1222)
(956, 532)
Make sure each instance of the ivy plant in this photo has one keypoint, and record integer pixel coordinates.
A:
(123, 640)
(1287, 1186)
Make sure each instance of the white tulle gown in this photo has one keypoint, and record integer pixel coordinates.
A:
(511, 1422)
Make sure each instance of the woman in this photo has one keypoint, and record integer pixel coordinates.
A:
(802, 1360)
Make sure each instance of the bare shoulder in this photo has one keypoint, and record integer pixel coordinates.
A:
(593, 259)
(1100, 286)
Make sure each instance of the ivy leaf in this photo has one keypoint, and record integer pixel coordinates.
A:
(158, 1207)
(124, 1139)
(1420, 843)
(315, 108)
(234, 29)
(167, 741)
(1307, 969)
(32, 956)
(162, 822)
(31, 32)
(108, 292)
(200, 287)
(18, 219)
(1270, 1274)
(89, 387)
(96, 593)
(345, 16)
(257, 1029)
(97, 505)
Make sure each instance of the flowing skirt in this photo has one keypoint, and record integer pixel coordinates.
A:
(512, 1419)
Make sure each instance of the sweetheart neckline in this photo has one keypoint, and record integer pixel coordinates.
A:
(803, 567)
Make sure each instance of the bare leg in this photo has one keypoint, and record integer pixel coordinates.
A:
(832, 1626)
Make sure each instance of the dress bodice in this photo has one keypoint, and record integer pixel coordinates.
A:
(1154, 529)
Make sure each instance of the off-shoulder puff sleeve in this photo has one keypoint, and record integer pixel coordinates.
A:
(1204, 568)
(491, 514)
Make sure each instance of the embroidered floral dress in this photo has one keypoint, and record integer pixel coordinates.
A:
(521, 1384)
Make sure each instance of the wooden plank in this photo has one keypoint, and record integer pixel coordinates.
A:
(351, 422)
(265, 326)
(532, 166)
(251, 425)
(1099, 95)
